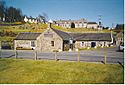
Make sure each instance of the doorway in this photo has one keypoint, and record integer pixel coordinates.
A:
(93, 44)
(72, 25)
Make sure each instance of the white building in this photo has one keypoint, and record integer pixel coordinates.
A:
(93, 25)
(81, 23)
(30, 20)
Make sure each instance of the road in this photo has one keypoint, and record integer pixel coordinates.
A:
(113, 56)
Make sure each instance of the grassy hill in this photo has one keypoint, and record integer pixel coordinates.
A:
(39, 28)
(52, 72)
(80, 30)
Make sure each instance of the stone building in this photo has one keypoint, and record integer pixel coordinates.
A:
(49, 40)
(119, 38)
(82, 23)
(93, 25)
(52, 39)
(26, 41)
(91, 40)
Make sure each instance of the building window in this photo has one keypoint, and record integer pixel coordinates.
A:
(52, 43)
(32, 43)
(82, 43)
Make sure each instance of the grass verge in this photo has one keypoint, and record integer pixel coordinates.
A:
(52, 72)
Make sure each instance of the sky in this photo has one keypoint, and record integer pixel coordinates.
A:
(112, 11)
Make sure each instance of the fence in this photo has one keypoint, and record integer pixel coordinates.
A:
(80, 56)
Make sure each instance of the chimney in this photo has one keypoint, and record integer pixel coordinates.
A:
(50, 23)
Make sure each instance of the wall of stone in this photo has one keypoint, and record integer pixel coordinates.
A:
(95, 26)
(23, 43)
(85, 44)
(44, 42)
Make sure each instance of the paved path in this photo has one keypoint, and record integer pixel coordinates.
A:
(113, 56)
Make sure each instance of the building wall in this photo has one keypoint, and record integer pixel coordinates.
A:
(67, 23)
(85, 44)
(119, 38)
(24, 43)
(44, 42)
(95, 26)
(78, 25)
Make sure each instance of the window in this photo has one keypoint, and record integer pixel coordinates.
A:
(52, 43)
(32, 43)
(82, 43)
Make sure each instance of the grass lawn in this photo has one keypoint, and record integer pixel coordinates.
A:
(51, 72)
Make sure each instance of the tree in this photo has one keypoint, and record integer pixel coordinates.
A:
(13, 14)
(43, 18)
(2, 10)
(119, 27)
(106, 28)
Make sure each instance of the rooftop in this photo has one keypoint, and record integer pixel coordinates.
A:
(27, 36)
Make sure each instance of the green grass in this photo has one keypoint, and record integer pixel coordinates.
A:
(6, 38)
(81, 30)
(95, 48)
(52, 72)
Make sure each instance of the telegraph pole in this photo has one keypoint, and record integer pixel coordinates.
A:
(100, 21)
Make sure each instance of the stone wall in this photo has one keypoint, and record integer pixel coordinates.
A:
(85, 44)
(46, 39)
(95, 26)
(24, 43)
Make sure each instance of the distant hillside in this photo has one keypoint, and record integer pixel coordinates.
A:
(8, 33)
(41, 27)
(80, 30)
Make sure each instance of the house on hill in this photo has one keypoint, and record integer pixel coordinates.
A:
(93, 25)
(30, 20)
(52, 39)
(81, 23)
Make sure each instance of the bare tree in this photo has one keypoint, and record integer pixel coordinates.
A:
(43, 18)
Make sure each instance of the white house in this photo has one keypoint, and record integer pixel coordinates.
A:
(30, 20)
(92, 25)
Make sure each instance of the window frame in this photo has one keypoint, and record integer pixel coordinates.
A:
(33, 44)
(52, 43)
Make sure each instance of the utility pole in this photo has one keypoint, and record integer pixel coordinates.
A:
(100, 21)
(112, 25)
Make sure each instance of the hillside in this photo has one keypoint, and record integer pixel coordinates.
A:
(8, 33)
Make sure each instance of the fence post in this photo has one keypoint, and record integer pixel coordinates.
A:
(0, 50)
(105, 56)
(78, 56)
(56, 56)
(35, 55)
(15, 54)
(0, 53)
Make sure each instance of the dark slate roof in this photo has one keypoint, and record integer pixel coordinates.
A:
(91, 36)
(27, 36)
(92, 23)
(63, 35)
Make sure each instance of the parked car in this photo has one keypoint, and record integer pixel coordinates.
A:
(121, 47)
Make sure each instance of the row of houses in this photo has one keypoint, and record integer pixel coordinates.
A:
(81, 23)
(30, 20)
(52, 39)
